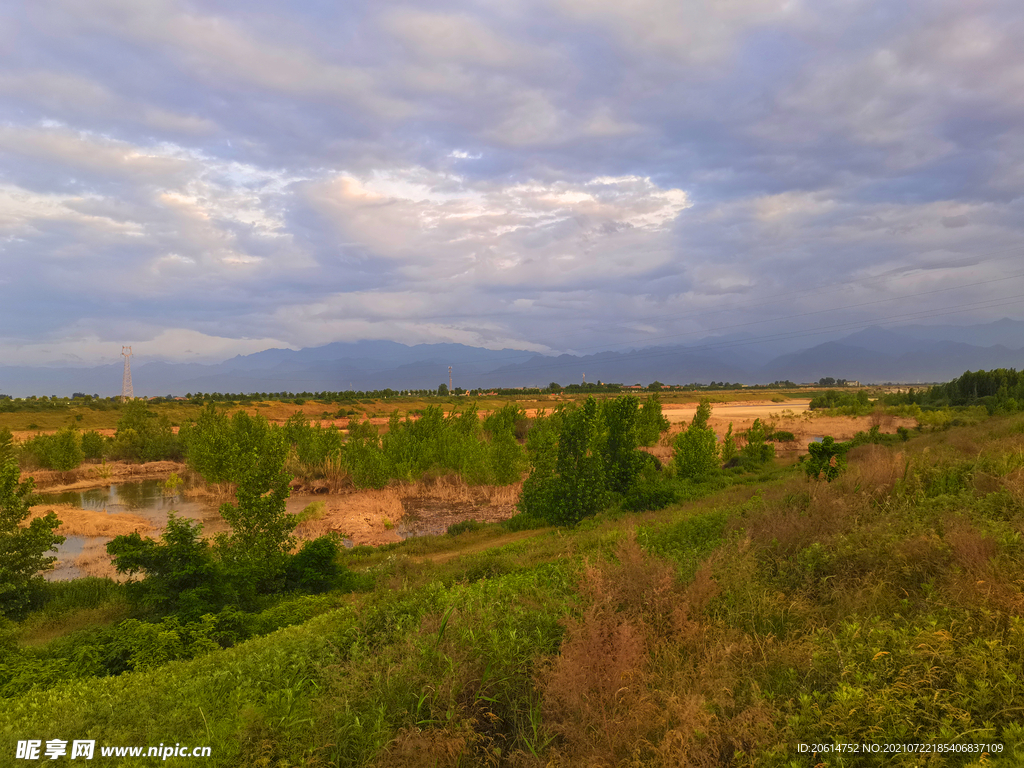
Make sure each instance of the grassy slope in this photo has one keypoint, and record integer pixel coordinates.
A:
(884, 608)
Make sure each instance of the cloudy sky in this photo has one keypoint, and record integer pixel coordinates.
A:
(206, 179)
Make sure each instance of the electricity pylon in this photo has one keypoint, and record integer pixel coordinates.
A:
(126, 382)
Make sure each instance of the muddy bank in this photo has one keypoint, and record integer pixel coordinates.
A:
(98, 475)
(371, 517)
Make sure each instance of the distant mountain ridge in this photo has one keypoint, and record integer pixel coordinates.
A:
(905, 354)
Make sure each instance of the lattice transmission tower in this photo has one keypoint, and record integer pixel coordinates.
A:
(126, 382)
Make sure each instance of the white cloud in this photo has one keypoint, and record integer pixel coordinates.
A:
(527, 233)
(74, 345)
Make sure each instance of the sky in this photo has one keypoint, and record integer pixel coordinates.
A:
(201, 180)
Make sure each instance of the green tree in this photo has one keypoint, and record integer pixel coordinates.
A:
(729, 449)
(696, 449)
(581, 486)
(651, 423)
(622, 461)
(6, 444)
(506, 458)
(826, 460)
(23, 548)
(540, 489)
(64, 450)
(143, 436)
(442, 390)
(758, 450)
(209, 444)
(92, 445)
(567, 482)
(257, 548)
(180, 572)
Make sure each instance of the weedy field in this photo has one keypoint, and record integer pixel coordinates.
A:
(760, 613)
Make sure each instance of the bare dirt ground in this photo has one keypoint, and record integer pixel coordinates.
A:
(793, 416)
(423, 508)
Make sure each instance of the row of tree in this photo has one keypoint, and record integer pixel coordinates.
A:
(585, 457)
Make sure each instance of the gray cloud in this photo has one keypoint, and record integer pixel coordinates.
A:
(204, 178)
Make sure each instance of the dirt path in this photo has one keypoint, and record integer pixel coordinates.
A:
(483, 546)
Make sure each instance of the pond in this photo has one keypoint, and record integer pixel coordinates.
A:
(146, 499)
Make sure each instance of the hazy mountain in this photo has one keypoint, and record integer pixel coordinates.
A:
(910, 354)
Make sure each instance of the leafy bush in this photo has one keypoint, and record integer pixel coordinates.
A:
(180, 574)
(567, 483)
(854, 403)
(649, 495)
(651, 423)
(729, 449)
(23, 547)
(826, 460)
(696, 448)
(209, 445)
(314, 445)
(618, 443)
(61, 451)
(315, 567)
(758, 450)
(257, 549)
(143, 436)
(92, 445)
(6, 445)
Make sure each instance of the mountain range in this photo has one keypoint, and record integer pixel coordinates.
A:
(909, 354)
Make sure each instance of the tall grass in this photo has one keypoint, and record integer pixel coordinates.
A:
(883, 607)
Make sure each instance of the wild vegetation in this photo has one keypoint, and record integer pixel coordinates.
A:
(869, 594)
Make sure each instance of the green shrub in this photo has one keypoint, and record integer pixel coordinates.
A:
(825, 460)
(180, 575)
(758, 450)
(64, 449)
(23, 547)
(696, 448)
(315, 567)
(464, 526)
(143, 436)
(92, 445)
(649, 495)
(651, 423)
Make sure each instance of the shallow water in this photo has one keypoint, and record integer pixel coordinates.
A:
(146, 499)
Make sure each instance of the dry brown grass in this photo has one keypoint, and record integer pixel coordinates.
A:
(94, 475)
(500, 495)
(642, 679)
(788, 525)
(90, 522)
(415, 747)
(94, 561)
(314, 529)
(873, 471)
